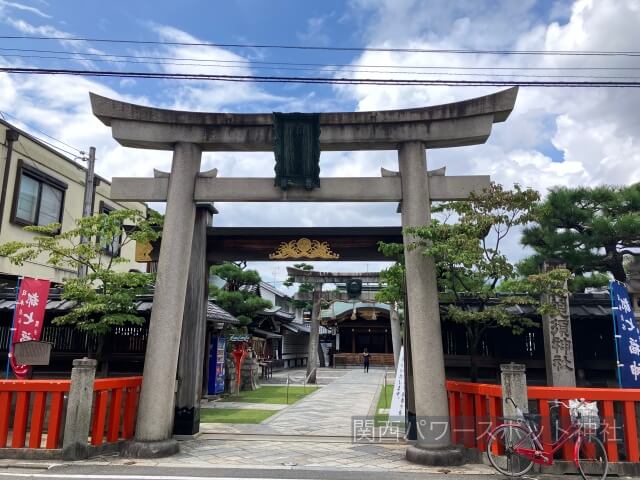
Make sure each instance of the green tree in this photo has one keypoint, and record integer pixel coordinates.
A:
(303, 288)
(104, 297)
(236, 296)
(392, 279)
(306, 289)
(590, 229)
(467, 248)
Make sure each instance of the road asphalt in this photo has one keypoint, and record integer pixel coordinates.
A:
(111, 472)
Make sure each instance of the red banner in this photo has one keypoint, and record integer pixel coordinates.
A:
(29, 316)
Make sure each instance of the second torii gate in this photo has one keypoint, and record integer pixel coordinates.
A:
(188, 134)
(318, 279)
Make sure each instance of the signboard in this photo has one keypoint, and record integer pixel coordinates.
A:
(627, 336)
(32, 352)
(217, 369)
(28, 317)
(397, 410)
(245, 337)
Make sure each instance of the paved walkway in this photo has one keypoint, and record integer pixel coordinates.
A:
(312, 434)
(330, 410)
(327, 412)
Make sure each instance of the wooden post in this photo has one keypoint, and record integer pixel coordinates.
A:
(192, 340)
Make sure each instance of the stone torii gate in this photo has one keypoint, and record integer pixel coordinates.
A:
(188, 134)
(318, 279)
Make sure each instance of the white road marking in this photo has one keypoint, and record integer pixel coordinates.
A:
(127, 477)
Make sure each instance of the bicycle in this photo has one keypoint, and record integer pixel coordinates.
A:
(515, 447)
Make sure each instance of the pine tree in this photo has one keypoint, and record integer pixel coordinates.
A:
(590, 229)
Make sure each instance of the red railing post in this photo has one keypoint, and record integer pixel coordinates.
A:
(468, 423)
(55, 420)
(482, 423)
(37, 419)
(20, 420)
(630, 431)
(5, 411)
(113, 430)
(130, 409)
(611, 440)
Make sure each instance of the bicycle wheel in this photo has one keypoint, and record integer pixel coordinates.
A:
(500, 450)
(592, 458)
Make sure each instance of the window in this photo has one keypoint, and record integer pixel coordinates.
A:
(38, 197)
(110, 246)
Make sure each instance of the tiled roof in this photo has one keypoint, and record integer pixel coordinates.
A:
(143, 304)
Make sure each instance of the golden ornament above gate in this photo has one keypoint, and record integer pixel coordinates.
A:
(304, 248)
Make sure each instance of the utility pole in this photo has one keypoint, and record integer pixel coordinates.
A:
(87, 205)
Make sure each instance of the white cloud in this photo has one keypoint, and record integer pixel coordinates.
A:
(22, 7)
(316, 32)
(595, 131)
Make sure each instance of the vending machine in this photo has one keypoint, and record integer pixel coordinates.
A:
(216, 366)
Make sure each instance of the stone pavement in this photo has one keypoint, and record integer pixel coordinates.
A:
(329, 411)
(326, 412)
(312, 434)
(296, 452)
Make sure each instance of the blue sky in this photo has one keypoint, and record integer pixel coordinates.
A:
(554, 136)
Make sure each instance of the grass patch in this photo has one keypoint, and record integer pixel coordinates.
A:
(234, 415)
(272, 394)
(384, 401)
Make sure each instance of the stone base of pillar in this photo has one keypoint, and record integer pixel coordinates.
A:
(75, 451)
(435, 456)
(140, 449)
(186, 421)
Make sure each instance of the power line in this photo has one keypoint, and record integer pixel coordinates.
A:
(304, 64)
(325, 70)
(325, 48)
(317, 80)
(73, 155)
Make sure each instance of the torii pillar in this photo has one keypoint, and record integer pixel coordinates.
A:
(187, 134)
(432, 407)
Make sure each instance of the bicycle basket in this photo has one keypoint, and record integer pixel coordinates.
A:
(586, 414)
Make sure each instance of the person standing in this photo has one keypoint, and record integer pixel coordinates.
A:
(365, 356)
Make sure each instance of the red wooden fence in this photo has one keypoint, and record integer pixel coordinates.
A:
(476, 408)
(33, 407)
(114, 409)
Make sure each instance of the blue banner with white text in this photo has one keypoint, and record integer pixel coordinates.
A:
(627, 336)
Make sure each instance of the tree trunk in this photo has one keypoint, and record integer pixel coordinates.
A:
(473, 367)
(103, 365)
(614, 262)
(321, 359)
(474, 343)
(617, 270)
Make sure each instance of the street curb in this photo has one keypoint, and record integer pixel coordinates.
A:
(30, 466)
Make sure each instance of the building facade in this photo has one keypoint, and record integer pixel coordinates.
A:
(279, 334)
(40, 186)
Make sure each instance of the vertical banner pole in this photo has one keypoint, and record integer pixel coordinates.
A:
(11, 330)
(616, 334)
